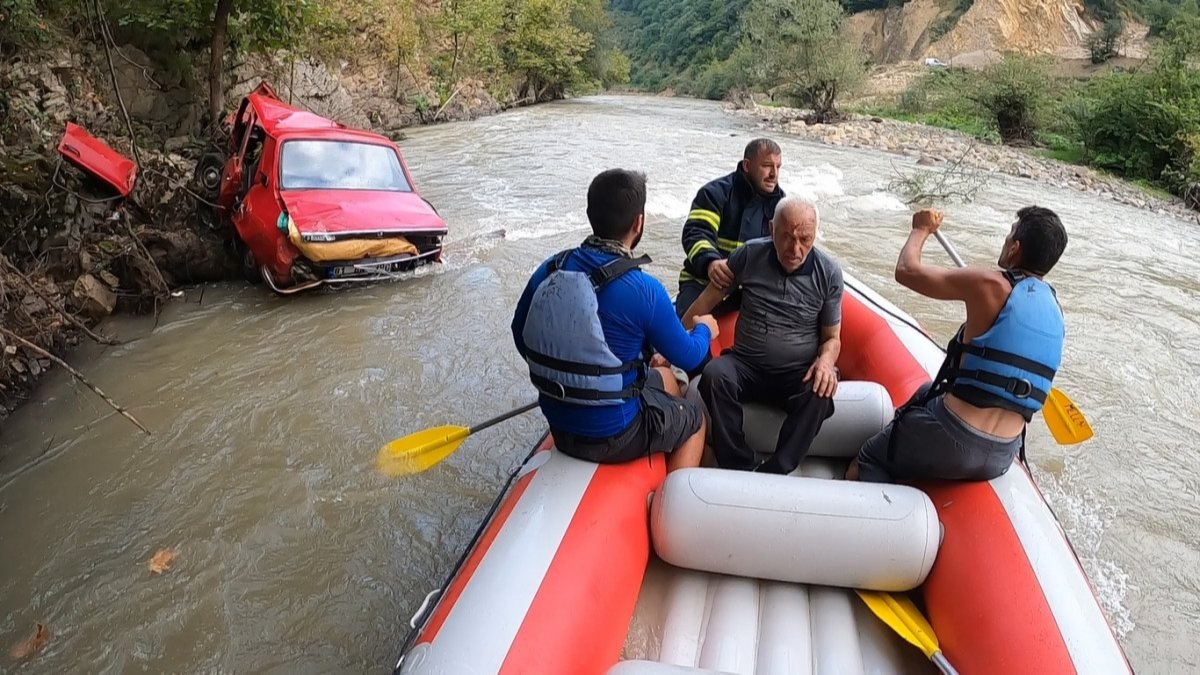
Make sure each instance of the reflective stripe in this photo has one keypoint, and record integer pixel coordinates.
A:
(686, 276)
(702, 245)
(728, 244)
(711, 217)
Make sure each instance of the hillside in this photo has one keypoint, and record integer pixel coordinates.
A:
(683, 45)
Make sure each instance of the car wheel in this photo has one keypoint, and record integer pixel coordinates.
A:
(208, 175)
(246, 261)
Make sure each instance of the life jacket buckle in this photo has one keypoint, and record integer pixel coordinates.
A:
(1021, 388)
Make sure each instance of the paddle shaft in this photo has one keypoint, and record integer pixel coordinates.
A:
(949, 249)
(500, 418)
(943, 665)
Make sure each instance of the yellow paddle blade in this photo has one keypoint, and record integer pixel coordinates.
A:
(417, 452)
(1066, 422)
(903, 616)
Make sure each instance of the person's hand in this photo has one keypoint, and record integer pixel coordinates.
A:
(708, 320)
(659, 361)
(928, 220)
(824, 378)
(719, 274)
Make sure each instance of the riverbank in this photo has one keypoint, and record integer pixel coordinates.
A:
(938, 147)
(68, 257)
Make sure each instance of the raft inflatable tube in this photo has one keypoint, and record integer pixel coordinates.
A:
(570, 574)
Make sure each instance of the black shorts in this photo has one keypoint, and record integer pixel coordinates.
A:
(934, 443)
(663, 424)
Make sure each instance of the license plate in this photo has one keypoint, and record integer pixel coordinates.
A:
(352, 270)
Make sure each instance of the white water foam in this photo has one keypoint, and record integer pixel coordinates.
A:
(665, 205)
(876, 202)
(1086, 518)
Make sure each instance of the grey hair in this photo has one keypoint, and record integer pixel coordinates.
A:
(793, 201)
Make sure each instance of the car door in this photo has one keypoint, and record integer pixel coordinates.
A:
(257, 216)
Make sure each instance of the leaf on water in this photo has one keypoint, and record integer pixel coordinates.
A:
(161, 562)
(32, 644)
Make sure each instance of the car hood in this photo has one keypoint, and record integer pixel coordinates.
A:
(365, 211)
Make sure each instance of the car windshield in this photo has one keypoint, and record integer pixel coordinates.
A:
(341, 165)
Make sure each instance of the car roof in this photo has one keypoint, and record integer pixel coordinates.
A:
(280, 119)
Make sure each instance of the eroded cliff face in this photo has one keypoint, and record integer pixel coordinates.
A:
(897, 33)
(987, 30)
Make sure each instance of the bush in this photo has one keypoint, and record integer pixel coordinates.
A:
(1014, 93)
(1104, 44)
(1147, 124)
(21, 26)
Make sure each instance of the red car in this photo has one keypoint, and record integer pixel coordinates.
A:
(315, 202)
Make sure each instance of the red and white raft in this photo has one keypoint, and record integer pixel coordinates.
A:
(581, 568)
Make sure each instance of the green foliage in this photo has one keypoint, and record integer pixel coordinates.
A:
(1143, 125)
(800, 49)
(1014, 93)
(1158, 14)
(254, 25)
(22, 25)
(544, 47)
(679, 44)
(1104, 44)
(1147, 124)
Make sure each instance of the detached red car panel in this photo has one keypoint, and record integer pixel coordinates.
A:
(315, 202)
(93, 156)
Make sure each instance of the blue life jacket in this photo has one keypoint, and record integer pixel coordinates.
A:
(1012, 364)
(568, 356)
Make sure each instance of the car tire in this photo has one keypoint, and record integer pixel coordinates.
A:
(207, 175)
(247, 264)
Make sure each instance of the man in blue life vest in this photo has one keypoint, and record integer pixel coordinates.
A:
(969, 423)
(585, 324)
(786, 344)
(727, 212)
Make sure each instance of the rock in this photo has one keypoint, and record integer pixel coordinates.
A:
(18, 365)
(176, 143)
(10, 350)
(35, 369)
(1024, 174)
(85, 261)
(94, 300)
(110, 279)
(877, 120)
(33, 304)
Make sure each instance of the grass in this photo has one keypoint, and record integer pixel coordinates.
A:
(971, 125)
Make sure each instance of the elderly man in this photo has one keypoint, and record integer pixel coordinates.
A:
(787, 340)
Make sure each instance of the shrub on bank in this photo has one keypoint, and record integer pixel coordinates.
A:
(1143, 125)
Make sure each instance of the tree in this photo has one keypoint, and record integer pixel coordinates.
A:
(470, 25)
(244, 25)
(216, 62)
(1104, 44)
(544, 47)
(801, 49)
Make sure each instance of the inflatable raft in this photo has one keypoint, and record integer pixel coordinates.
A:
(581, 568)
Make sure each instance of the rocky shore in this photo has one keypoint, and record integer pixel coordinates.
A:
(935, 146)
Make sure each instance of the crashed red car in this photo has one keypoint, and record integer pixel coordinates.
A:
(314, 202)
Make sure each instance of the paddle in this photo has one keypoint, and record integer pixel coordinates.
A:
(419, 451)
(1065, 421)
(899, 613)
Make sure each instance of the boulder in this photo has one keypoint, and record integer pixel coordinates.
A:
(93, 299)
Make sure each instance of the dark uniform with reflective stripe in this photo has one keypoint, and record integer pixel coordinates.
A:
(725, 213)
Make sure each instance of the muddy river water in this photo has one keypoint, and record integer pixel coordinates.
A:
(295, 555)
